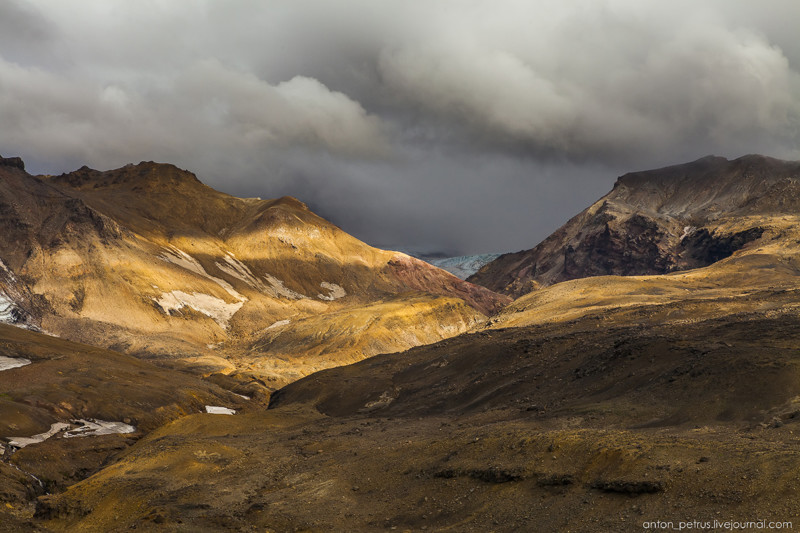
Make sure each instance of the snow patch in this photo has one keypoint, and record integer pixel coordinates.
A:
(279, 323)
(334, 291)
(217, 410)
(21, 442)
(176, 256)
(687, 231)
(273, 287)
(215, 308)
(239, 270)
(92, 428)
(7, 363)
(7, 307)
(277, 289)
(86, 428)
(180, 258)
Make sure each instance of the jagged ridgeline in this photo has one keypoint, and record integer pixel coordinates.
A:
(147, 260)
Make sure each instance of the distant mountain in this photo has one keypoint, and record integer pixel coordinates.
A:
(463, 266)
(659, 221)
(148, 260)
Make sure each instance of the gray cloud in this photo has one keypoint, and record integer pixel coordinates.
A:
(463, 127)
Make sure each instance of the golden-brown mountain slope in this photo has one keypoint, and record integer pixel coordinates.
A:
(148, 260)
(659, 221)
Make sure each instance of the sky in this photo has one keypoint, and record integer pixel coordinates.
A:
(453, 127)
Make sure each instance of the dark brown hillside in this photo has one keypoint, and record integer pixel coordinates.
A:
(659, 221)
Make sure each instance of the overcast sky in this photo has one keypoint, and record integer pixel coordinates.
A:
(455, 126)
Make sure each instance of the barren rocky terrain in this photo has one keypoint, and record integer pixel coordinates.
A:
(599, 403)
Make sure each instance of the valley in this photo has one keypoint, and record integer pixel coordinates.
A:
(640, 364)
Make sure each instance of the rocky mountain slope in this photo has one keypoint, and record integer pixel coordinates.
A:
(148, 260)
(594, 404)
(659, 221)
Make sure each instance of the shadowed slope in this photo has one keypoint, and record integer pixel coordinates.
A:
(553, 427)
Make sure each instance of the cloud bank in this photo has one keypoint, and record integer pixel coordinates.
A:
(437, 126)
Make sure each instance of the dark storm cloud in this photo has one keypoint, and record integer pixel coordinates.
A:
(24, 33)
(455, 126)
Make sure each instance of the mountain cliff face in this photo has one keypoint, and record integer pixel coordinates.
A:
(659, 221)
(148, 260)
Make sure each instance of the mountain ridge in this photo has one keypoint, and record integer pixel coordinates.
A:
(148, 260)
(674, 218)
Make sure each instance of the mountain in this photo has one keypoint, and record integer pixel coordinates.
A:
(659, 221)
(463, 266)
(594, 404)
(147, 260)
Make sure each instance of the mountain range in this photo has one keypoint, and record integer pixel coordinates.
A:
(147, 260)
(645, 370)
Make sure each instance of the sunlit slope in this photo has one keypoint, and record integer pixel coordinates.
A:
(761, 277)
(148, 260)
(351, 334)
(584, 405)
(655, 222)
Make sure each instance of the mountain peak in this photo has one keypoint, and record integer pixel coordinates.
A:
(711, 175)
(289, 201)
(709, 164)
(145, 175)
(15, 162)
(657, 221)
